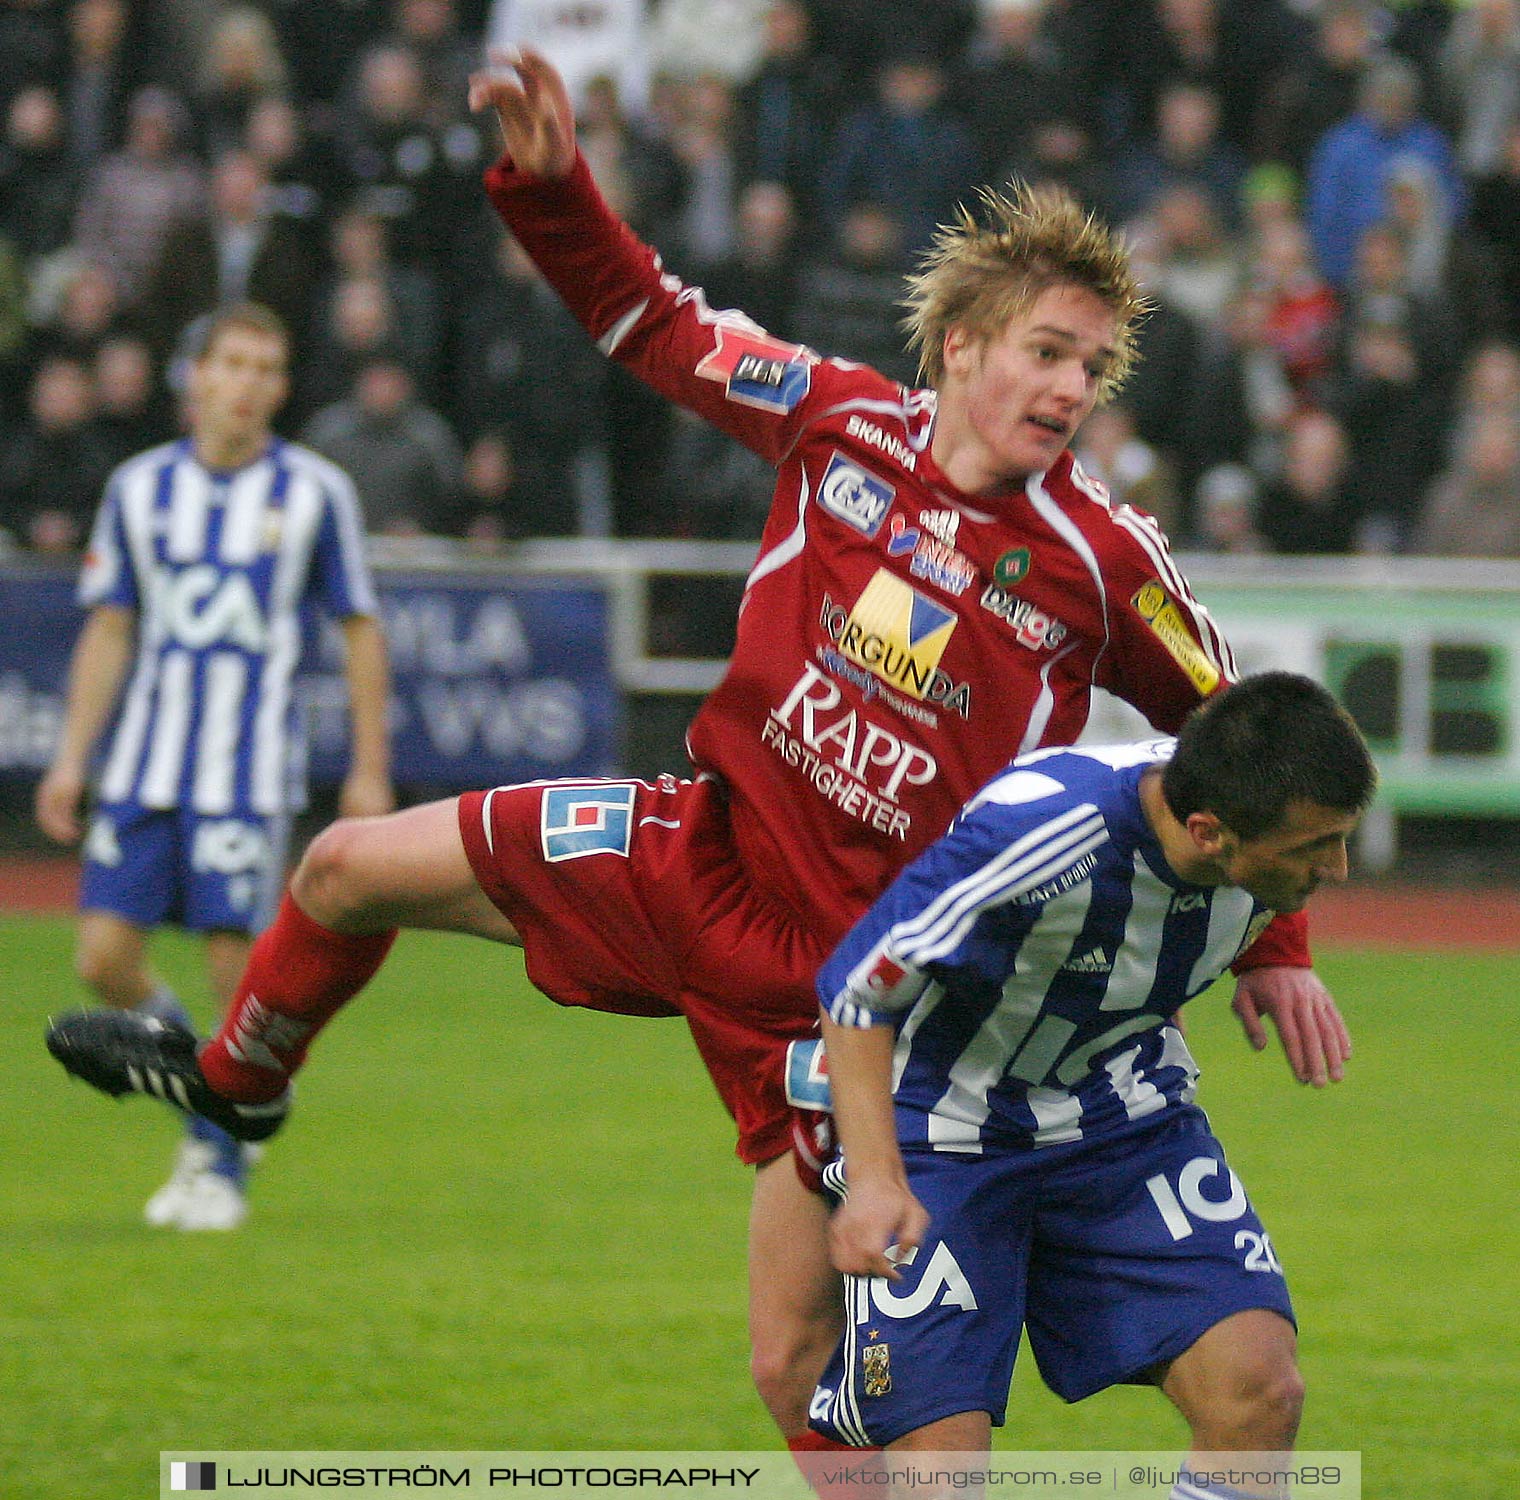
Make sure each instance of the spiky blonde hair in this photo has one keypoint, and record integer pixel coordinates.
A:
(983, 270)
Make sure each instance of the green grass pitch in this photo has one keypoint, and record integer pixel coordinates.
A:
(497, 1225)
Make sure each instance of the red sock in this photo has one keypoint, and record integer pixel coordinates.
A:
(299, 976)
(831, 1474)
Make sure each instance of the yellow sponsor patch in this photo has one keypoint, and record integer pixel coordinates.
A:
(899, 635)
(1159, 610)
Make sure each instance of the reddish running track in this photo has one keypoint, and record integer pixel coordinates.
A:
(1393, 916)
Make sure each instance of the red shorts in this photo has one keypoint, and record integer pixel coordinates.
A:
(629, 897)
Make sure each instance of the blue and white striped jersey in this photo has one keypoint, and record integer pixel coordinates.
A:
(218, 567)
(1030, 958)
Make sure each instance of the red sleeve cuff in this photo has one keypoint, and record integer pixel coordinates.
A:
(1285, 943)
(504, 183)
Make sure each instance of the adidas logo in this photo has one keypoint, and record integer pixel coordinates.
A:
(942, 524)
(259, 1031)
(1095, 962)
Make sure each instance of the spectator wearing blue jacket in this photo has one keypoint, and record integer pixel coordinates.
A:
(1348, 171)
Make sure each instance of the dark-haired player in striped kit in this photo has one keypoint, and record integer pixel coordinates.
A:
(938, 587)
(1015, 1104)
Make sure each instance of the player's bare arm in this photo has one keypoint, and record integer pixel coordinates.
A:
(880, 1212)
(367, 790)
(533, 108)
(96, 671)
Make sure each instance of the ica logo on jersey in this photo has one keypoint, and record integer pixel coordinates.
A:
(203, 606)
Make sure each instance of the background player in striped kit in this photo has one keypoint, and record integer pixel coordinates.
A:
(204, 552)
(1002, 1054)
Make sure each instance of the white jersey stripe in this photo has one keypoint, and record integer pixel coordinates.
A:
(131, 733)
(1219, 949)
(1038, 1055)
(189, 514)
(1135, 964)
(983, 1063)
(947, 1133)
(485, 818)
(953, 895)
(267, 790)
(920, 1013)
(614, 336)
(1044, 704)
(1017, 869)
(1175, 1054)
(916, 439)
(947, 938)
(1139, 1096)
(1067, 529)
(247, 503)
(304, 501)
(1077, 1062)
(1153, 542)
(784, 551)
(304, 505)
(1057, 1116)
(343, 501)
(166, 753)
(221, 723)
(139, 490)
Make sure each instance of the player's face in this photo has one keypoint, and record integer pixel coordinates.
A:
(1285, 866)
(238, 384)
(1020, 396)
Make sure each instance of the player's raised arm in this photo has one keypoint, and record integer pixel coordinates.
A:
(533, 108)
(719, 364)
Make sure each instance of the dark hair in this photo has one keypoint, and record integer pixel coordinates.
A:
(253, 316)
(1266, 742)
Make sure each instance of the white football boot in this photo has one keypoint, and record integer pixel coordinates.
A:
(196, 1196)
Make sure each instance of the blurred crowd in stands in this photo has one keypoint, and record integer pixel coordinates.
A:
(1323, 197)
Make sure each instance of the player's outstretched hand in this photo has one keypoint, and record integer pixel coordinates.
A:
(533, 106)
(875, 1217)
(1309, 1025)
(60, 795)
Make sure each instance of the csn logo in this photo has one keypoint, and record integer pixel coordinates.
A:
(857, 498)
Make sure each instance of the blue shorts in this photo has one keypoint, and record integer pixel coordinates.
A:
(1118, 1255)
(206, 874)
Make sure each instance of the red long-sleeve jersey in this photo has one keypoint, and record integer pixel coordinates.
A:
(899, 641)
